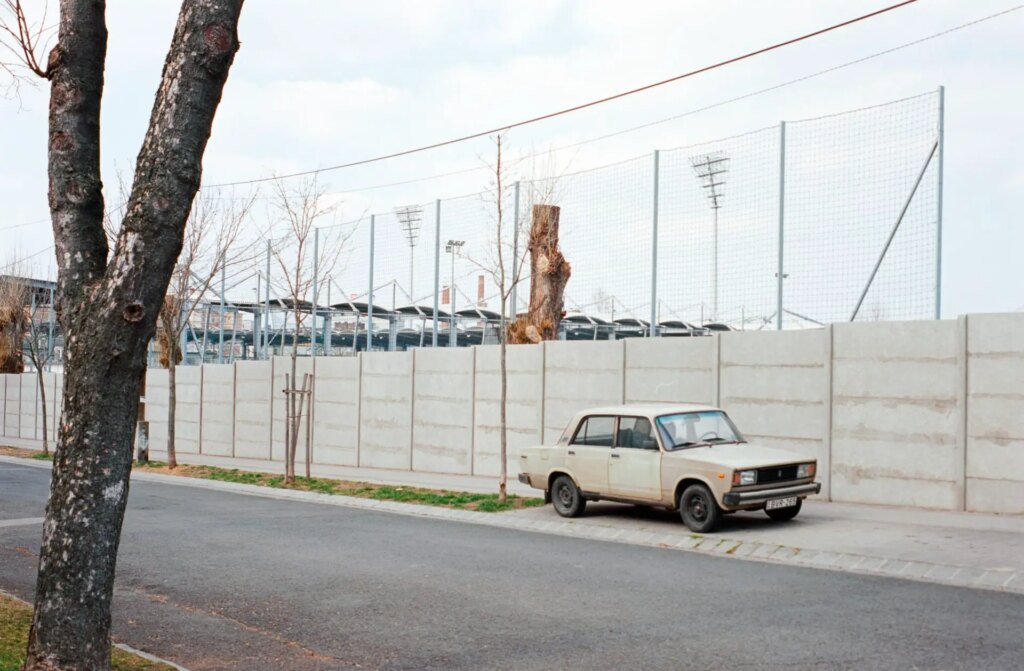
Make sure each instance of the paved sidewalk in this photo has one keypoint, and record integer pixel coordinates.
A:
(964, 549)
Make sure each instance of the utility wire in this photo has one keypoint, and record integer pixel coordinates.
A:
(581, 106)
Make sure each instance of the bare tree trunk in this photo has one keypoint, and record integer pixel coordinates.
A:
(42, 402)
(172, 414)
(109, 309)
(549, 273)
(503, 477)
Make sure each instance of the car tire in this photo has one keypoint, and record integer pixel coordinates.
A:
(699, 510)
(567, 498)
(785, 514)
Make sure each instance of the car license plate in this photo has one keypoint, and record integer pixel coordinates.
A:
(787, 502)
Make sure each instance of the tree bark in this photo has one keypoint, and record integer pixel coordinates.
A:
(549, 273)
(108, 310)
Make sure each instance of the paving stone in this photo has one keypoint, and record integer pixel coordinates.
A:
(994, 578)
(746, 549)
(915, 569)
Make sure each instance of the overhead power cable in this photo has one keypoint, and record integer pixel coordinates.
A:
(581, 106)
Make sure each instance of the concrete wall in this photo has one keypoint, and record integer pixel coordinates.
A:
(523, 409)
(579, 375)
(385, 401)
(995, 413)
(671, 370)
(218, 410)
(775, 386)
(895, 414)
(927, 414)
(252, 409)
(12, 405)
(282, 368)
(336, 411)
(187, 411)
(442, 436)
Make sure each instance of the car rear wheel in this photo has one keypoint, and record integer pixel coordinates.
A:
(566, 497)
(785, 514)
(699, 510)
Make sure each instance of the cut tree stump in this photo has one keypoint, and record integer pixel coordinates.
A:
(549, 273)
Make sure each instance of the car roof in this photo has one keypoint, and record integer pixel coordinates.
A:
(647, 409)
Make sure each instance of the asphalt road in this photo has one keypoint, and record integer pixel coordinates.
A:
(214, 580)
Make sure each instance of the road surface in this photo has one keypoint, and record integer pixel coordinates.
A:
(215, 580)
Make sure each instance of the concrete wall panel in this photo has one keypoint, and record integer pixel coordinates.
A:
(29, 406)
(524, 364)
(774, 384)
(12, 414)
(218, 416)
(670, 370)
(187, 409)
(156, 407)
(443, 410)
(336, 411)
(895, 417)
(282, 367)
(579, 375)
(252, 409)
(995, 413)
(4, 412)
(385, 427)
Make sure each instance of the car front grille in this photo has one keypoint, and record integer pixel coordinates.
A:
(776, 474)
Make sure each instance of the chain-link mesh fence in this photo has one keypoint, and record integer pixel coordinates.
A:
(845, 207)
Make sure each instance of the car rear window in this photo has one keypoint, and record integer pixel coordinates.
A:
(595, 431)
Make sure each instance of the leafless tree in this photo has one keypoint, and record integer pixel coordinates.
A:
(22, 41)
(211, 246)
(108, 304)
(298, 210)
(505, 264)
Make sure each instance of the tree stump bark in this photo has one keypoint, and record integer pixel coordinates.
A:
(549, 273)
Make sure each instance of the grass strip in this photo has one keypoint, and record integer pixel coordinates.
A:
(15, 618)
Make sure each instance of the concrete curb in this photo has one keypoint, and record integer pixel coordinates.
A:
(121, 646)
(945, 574)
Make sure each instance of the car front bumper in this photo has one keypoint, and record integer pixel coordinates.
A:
(524, 478)
(762, 495)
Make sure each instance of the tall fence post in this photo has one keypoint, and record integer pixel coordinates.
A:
(782, 219)
(316, 287)
(437, 262)
(515, 255)
(369, 300)
(266, 308)
(652, 330)
(938, 206)
(220, 337)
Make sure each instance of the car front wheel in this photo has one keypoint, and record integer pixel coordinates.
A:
(566, 497)
(785, 514)
(699, 510)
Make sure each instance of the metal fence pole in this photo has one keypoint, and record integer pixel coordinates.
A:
(220, 338)
(938, 206)
(369, 304)
(266, 309)
(782, 218)
(316, 288)
(515, 256)
(437, 261)
(653, 329)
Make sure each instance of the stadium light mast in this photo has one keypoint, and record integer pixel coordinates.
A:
(709, 169)
(410, 218)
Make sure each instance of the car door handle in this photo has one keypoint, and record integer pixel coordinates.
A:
(615, 456)
(572, 452)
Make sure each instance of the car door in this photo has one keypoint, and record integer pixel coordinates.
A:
(587, 453)
(634, 464)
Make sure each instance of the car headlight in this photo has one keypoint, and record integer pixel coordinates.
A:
(805, 471)
(742, 478)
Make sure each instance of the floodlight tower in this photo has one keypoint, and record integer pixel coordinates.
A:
(410, 218)
(709, 169)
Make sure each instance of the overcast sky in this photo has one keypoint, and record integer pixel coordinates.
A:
(318, 83)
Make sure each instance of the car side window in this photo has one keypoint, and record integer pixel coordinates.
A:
(637, 433)
(595, 431)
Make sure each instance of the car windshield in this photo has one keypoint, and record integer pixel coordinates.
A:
(690, 429)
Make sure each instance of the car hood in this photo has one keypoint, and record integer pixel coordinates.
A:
(743, 455)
